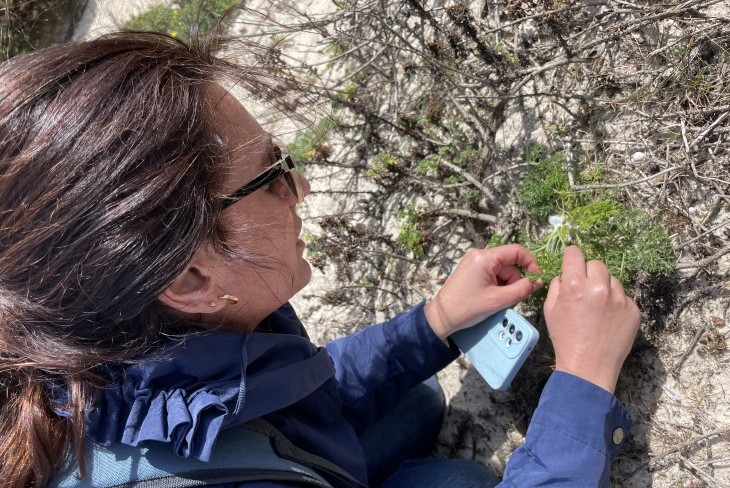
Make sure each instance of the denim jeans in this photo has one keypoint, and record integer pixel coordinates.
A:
(398, 447)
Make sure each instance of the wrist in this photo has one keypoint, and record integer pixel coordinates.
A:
(435, 317)
(599, 376)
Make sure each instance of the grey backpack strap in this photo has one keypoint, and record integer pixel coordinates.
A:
(241, 454)
(287, 450)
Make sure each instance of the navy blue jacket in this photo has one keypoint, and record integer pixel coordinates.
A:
(321, 398)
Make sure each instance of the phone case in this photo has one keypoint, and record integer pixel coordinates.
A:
(498, 346)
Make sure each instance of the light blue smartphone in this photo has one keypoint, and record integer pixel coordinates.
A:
(498, 346)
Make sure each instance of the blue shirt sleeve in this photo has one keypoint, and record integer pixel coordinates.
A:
(573, 438)
(377, 366)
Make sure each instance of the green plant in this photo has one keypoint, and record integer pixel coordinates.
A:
(428, 166)
(382, 164)
(504, 52)
(463, 157)
(597, 222)
(175, 20)
(453, 180)
(410, 235)
(545, 188)
(494, 240)
(311, 143)
(593, 174)
(472, 194)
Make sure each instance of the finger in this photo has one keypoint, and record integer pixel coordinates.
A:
(552, 294)
(509, 295)
(509, 274)
(574, 264)
(596, 270)
(516, 254)
(617, 286)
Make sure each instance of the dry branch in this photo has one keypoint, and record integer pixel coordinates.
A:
(708, 260)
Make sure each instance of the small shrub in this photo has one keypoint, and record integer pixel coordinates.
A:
(382, 164)
(428, 166)
(472, 194)
(175, 20)
(311, 144)
(604, 228)
(546, 186)
(453, 180)
(464, 157)
(410, 235)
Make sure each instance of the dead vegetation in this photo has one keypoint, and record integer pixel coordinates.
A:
(26, 25)
(436, 106)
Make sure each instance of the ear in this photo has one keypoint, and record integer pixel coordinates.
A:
(194, 290)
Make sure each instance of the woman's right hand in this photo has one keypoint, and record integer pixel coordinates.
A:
(592, 323)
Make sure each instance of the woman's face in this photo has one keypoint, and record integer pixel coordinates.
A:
(263, 226)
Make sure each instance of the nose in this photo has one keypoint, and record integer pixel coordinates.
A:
(306, 186)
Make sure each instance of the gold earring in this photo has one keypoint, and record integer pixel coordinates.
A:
(212, 304)
(231, 299)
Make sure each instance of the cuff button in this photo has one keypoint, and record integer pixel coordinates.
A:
(618, 436)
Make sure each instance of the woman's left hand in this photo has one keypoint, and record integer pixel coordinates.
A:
(484, 282)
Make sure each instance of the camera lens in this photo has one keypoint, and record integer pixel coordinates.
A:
(504, 323)
(501, 335)
(518, 336)
(508, 342)
(512, 329)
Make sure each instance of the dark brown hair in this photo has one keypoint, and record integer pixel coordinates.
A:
(110, 171)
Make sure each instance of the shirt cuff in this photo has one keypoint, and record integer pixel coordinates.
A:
(577, 408)
(426, 352)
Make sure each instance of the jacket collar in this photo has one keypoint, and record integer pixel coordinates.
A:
(197, 385)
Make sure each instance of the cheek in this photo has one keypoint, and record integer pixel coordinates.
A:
(254, 236)
(265, 247)
(271, 221)
(266, 240)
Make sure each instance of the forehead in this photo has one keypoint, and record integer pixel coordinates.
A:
(234, 123)
(247, 142)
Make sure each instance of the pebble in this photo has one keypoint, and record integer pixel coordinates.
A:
(638, 156)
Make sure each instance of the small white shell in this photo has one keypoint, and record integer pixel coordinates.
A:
(638, 156)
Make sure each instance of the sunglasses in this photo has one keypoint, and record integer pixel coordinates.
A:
(284, 167)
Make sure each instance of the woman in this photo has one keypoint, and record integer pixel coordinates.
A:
(150, 245)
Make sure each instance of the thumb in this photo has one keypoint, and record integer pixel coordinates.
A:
(513, 293)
